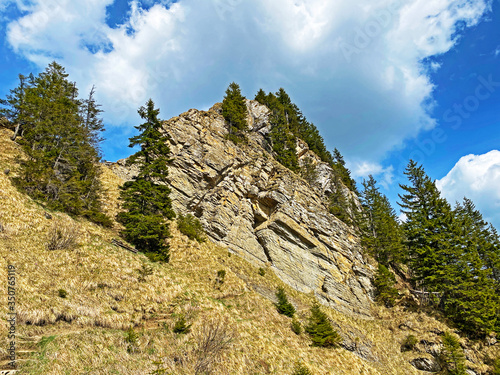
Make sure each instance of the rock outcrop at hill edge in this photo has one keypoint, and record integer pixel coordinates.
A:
(262, 211)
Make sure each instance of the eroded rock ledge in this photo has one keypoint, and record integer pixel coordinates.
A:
(262, 211)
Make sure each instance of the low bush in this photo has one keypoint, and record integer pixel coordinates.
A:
(191, 227)
(62, 236)
(409, 343)
(284, 306)
(301, 369)
(181, 327)
(296, 327)
(62, 293)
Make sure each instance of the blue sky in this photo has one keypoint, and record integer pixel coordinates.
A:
(383, 80)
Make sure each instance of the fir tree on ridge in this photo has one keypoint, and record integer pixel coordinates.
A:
(146, 199)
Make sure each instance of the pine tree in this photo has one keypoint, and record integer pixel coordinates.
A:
(234, 110)
(320, 329)
(380, 229)
(14, 105)
(341, 170)
(339, 203)
(146, 198)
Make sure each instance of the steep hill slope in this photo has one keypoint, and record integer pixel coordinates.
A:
(74, 305)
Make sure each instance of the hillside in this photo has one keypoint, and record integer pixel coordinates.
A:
(84, 330)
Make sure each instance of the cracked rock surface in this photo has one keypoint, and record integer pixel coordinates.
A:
(262, 211)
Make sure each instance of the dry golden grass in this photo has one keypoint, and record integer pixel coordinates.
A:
(104, 298)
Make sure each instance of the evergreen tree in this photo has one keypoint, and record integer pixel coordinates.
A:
(341, 170)
(452, 356)
(384, 282)
(380, 229)
(320, 329)
(429, 233)
(61, 167)
(234, 110)
(283, 142)
(146, 198)
(473, 303)
(284, 306)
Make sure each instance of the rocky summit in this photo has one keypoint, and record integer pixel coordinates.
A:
(261, 210)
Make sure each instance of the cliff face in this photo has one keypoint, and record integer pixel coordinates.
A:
(261, 210)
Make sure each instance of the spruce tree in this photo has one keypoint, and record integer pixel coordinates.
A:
(385, 292)
(452, 356)
(284, 306)
(429, 233)
(320, 329)
(380, 230)
(234, 110)
(146, 198)
(61, 168)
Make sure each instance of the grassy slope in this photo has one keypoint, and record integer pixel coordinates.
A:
(87, 328)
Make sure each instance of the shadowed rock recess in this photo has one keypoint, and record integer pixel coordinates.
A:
(262, 211)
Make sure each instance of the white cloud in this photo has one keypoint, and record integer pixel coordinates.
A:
(355, 66)
(476, 177)
(384, 176)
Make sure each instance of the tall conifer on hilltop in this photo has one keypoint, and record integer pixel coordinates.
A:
(146, 199)
(234, 110)
(61, 167)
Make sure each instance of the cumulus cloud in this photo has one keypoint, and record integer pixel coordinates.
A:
(356, 66)
(383, 175)
(476, 177)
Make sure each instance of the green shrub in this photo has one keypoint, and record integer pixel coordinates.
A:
(180, 326)
(62, 293)
(284, 307)
(132, 339)
(262, 271)
(409, 343)
(296, 327)
(320, 329)
(221, 276)
(191, 227)
(145, 271)
(496, 367)
(301, 369)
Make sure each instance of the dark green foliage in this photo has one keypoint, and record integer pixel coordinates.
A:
(296, 326)
(181, 327)
(301, 369)
(342, 172)
(191, 227)
(409, 343)
(381, 233)
(452, 253)
(62, 293)
(221, 275)
(284, 306)
(452, 356)
(384, 282)
(159, 370)
(262, 271)
(320, 329)
(61, 145)
(496, 367)
(146, 198)
(234, 110)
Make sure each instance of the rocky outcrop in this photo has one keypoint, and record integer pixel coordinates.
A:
(261, 210)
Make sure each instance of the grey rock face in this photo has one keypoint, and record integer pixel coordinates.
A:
(261, 210)
(426, 364)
